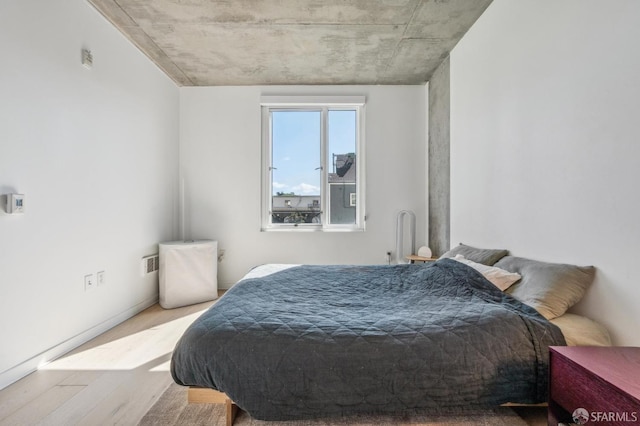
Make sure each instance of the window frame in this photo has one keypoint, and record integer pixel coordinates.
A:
(324, 104)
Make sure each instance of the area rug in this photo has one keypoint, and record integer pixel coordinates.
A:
(172, 409)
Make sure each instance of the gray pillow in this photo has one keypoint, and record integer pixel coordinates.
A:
(550, 288)
(484, 256)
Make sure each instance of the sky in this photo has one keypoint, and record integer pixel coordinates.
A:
(296, 147)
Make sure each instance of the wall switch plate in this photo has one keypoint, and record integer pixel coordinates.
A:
(89, 282)
(15, 203)
(101, 278)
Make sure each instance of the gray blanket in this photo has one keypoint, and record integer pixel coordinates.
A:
(315, 341)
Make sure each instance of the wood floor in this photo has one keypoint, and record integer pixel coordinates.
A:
(113, 379)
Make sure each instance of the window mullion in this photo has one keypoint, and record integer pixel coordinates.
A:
(324, 180)
(270, 165)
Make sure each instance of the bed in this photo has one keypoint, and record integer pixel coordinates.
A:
(301, 341)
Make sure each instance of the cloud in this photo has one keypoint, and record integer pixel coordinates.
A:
(286, 159)
(306, 189)
(278, 185)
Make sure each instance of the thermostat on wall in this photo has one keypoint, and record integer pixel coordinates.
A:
(15, 203)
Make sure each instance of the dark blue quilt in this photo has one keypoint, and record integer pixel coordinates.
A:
(316, 341)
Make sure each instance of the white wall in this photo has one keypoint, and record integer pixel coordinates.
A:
(220, 161)
(95, 152)
(544, 142)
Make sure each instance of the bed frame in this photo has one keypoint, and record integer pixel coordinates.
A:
(210, 396)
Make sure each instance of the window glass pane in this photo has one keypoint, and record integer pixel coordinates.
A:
(296, 165)
(341, 153)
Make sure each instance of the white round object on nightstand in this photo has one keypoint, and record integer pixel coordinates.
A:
(424, 251)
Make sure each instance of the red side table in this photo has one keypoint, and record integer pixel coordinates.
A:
(601, 383)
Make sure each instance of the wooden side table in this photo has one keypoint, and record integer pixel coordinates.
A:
(415, 258)
(601, 383)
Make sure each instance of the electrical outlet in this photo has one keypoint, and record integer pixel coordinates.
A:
(89, 282)
(101, 278)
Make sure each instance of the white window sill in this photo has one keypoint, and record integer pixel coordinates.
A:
(310, 229)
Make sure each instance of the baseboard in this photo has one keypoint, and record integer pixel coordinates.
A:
(27, 367)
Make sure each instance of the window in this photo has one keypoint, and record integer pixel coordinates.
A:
(313, 161)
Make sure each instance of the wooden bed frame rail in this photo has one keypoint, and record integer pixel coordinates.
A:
(210, 396)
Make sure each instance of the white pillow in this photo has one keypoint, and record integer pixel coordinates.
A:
(498, 277)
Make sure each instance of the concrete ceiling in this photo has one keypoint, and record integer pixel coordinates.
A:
(267, 42)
